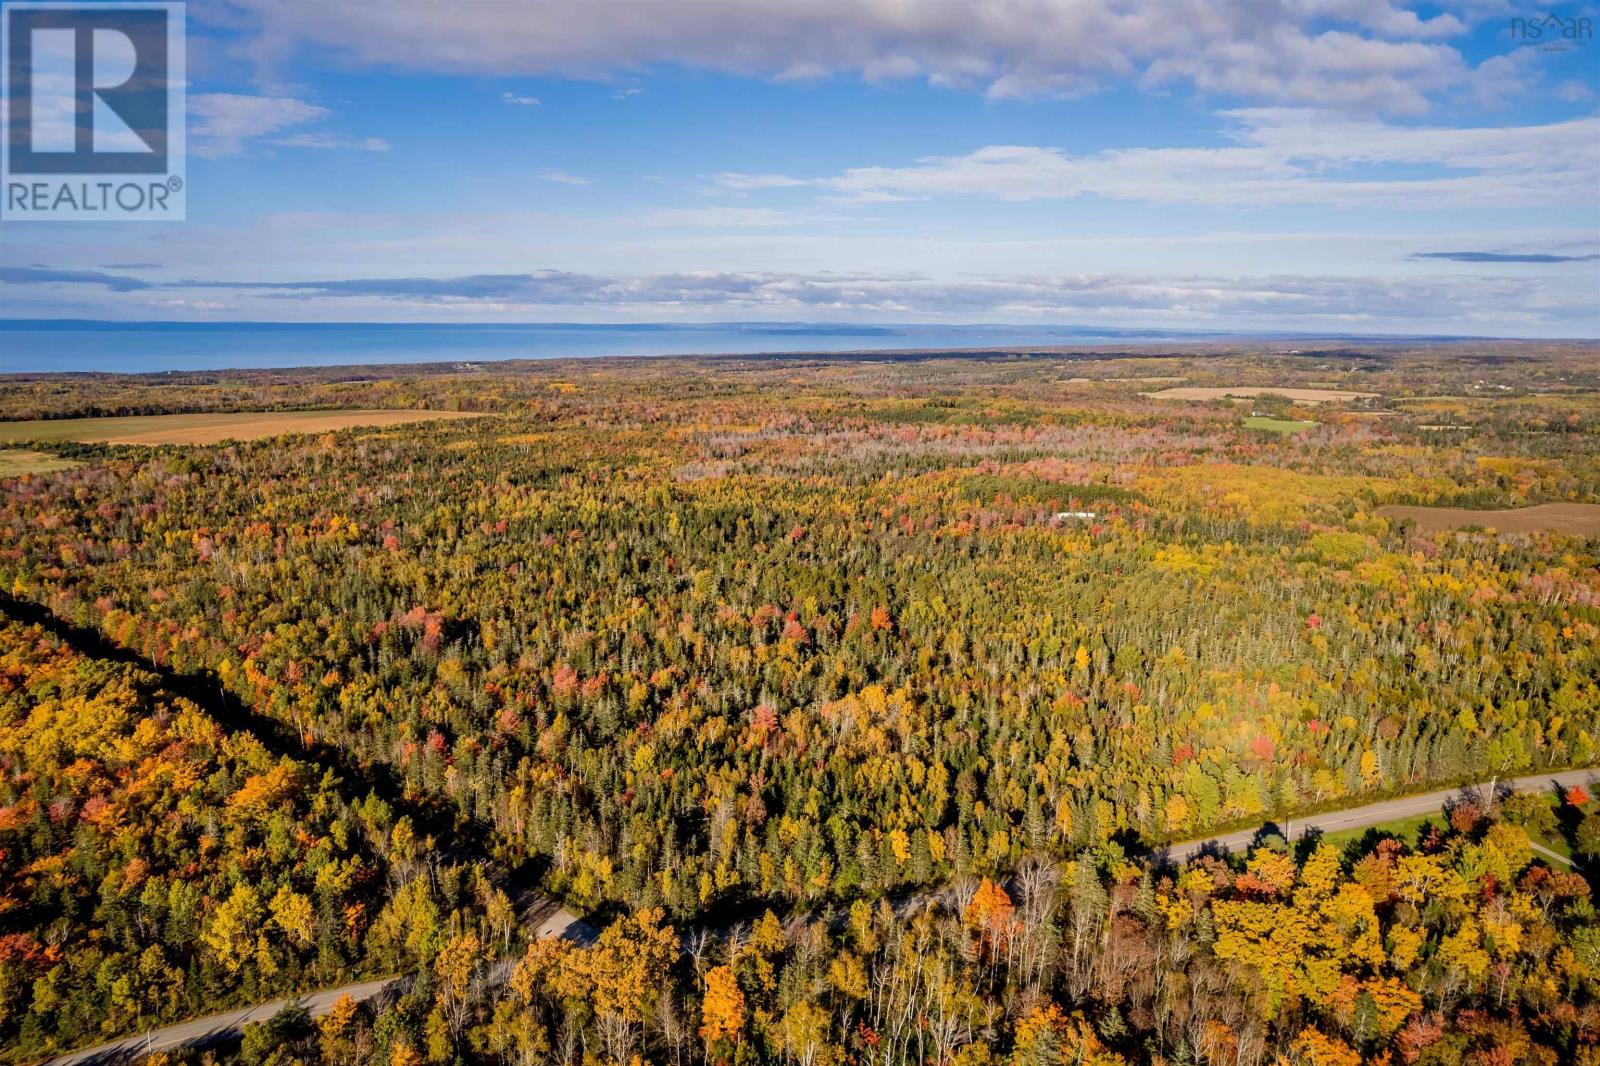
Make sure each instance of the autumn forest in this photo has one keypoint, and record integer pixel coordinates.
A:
(853, 703)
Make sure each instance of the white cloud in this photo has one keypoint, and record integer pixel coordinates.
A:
(717, 217)
(188, 305)
(1451, 302)
(1360, 53)
(520, 101)
(1574, 92)
(227, 123)
(561, 177)
(223, 123)
(1331, 69)
(752, 182)
(327, 267)
(1500, 79)
(333, 140)
(1282, 156)
(1384, 17)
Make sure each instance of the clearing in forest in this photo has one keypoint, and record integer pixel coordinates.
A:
(209, 428)
(1242, 392)
(14, 462)
(1261, 495)
(1284, 426)
(1578, 519)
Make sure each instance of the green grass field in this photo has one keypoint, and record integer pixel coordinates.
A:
(1556, 843)
(1408, 830)
(14, 462)
(1285, 426)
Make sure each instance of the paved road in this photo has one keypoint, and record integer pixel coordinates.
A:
(1386, 811)
(547, 919)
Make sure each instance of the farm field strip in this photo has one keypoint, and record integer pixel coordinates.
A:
(1578, 519)
(1283, 426)
(210, 428)
(1243, 392)
(15, 462)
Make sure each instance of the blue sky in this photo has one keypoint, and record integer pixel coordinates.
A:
(1318, 165)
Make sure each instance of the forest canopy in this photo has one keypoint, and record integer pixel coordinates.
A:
(686, 643)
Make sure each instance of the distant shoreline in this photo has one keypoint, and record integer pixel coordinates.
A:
(61, 346)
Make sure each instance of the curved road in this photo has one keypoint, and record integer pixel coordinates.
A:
(551, 920)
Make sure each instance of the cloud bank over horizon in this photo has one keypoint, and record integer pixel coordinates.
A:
(1345, 164)
(1316, 303)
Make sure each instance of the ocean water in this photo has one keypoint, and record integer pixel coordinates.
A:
(53, 347)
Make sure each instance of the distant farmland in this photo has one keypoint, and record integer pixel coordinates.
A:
(1282, 426)
(14, 463)
(208, 428)
(1233, 392)
(1578, 519)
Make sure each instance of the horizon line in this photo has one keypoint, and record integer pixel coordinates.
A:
(819, 326)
